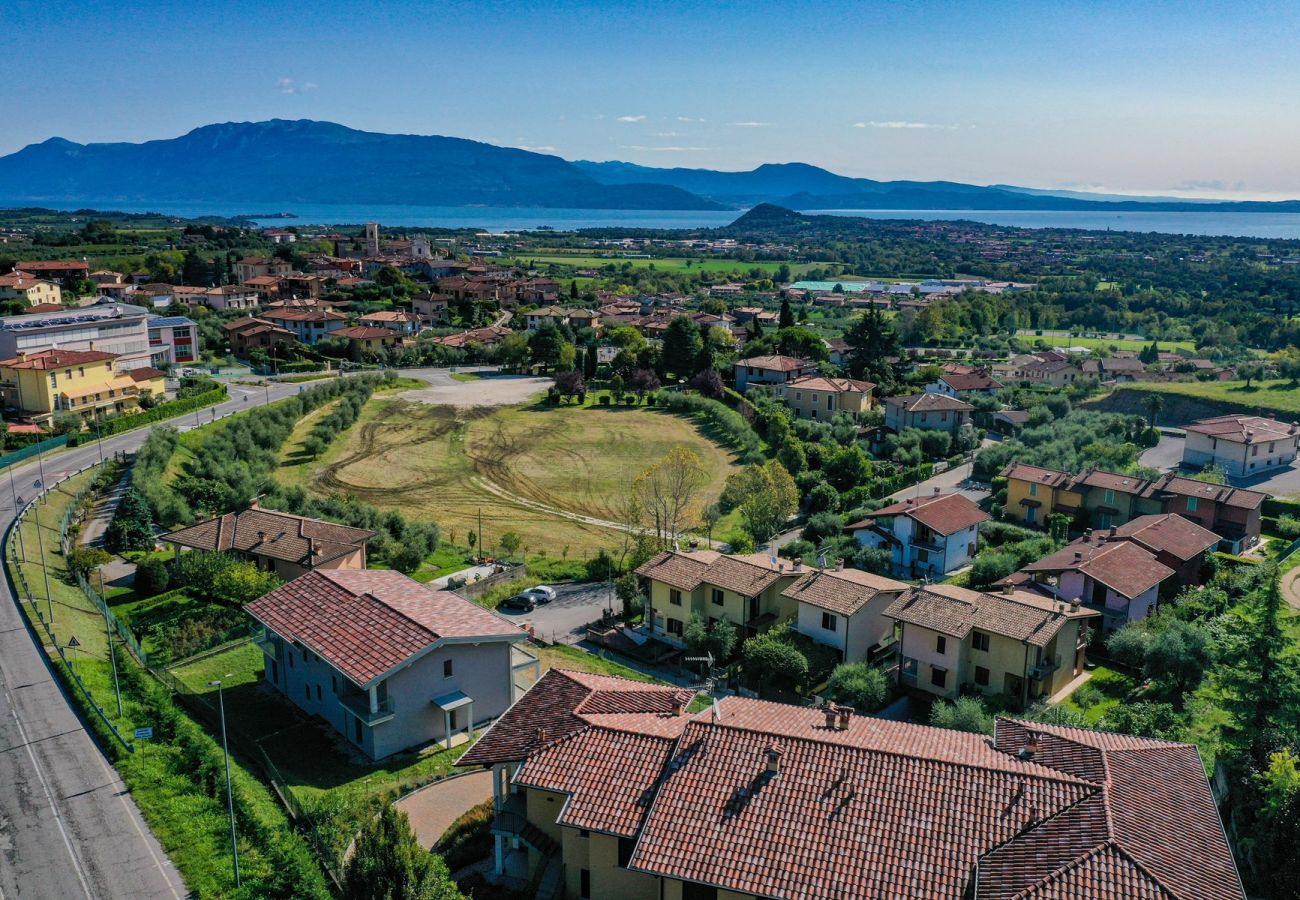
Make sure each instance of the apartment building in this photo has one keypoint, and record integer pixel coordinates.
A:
(605, 787)
(117, 328)
(38, 386)
(308, 325)
(815, 397)
(770, 370)
(260, 266)
(933, 411)
(175, 336)
(930, 536)
(31, 290)
(1243, 446)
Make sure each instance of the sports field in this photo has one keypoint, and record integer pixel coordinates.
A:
(537, 471)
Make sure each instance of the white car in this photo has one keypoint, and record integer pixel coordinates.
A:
(540, 594)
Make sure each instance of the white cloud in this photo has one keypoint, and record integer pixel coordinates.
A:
(668, 134)
(751, 124)
(688, 119)
(644, 149)
(290, 86)
(631, 118)
(903, 124)
(546, 149)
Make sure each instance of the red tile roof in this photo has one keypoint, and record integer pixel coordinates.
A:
(51, 265)
(1168, 533)
(146, 373)
(1168, 484)
(956, 611)
(1244, 429)
(943, 513)
(57, 359)
(774, 363)
(269, 532)
(843, 592)
(930, 402)
(832, 385)
(745, 575)
(1122, 566)
(971, 381)
(364, 333)
(366, 622)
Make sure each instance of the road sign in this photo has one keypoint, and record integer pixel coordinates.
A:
(144, 734)
(73, 642)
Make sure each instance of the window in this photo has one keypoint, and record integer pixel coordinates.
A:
(81, 371)
(446, 668)
(583, 833)
(675, 627)
(1191, 504)
(717, 597)
(290, 655)
(625, 846)
(979, 641)
(829, 622)
(941, 644)
(798, 395)
(1110, 497)
(306, 692)
(981, 676)
(584, 884)
(938, 676)
(318, 692)
(698, 892)
(334, 683)
(675, 597)
(1254, 451)
(1033, 489)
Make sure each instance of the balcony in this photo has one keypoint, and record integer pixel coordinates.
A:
(359, 706)
(933, 544)
(269, 645)
(1043, 670)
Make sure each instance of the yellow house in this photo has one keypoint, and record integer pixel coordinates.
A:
(1018, 643)
(1034, 493)
(40, 385)
(815, 397)
(21, 286)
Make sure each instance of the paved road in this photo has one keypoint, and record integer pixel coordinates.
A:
(68, 826)
(433, 809)
(1168, 455)
(565, 619)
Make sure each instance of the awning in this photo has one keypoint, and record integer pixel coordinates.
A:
(117, 384)
(454, 700)
(1025, 501)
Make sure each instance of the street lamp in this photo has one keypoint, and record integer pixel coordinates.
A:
(230, 800)
(108, 636)
(40, 548)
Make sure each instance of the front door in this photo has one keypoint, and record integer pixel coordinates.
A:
(1031, 515)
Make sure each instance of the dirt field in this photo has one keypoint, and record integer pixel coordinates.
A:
(494, 390)
(550, 475)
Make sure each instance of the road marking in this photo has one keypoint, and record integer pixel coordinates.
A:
(134, 816)
(58, 819)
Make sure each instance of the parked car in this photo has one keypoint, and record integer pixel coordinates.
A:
(541, 593)
(520, 602)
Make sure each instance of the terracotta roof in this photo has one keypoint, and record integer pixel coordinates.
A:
(51, 265)
(145, 373)
(43, 308)
(943, 513)
(1022, 472)
(363, 332)
(833, 385)
(1168, 533)
(563, 703)
(366, 622)
(1122, 566)
(971, 381)
(268, 532)
(747, 576)
(931, 402)
(956, 611)
(305, 315)
(21, 281)
(390, 315)
(843, 592)
(1132, 485)
(57, 359)
(1244, 429)
(1218, 493)
(773, 363)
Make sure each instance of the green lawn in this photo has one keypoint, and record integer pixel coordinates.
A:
(668, 264)
(466, 376)
(1105, 690)
(1106, 343)
(1277, 396)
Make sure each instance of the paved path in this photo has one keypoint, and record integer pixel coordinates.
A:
(432, 809)
(492, 390)
(118, 572)
(68, 826)
(565, 619)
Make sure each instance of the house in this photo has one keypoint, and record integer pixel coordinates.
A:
(278, 542)
(937, 412)
(388, 662)
(813, 396)
(230, 296)
(1177, 542)
(769, 370)
(965, 384)
(365, 341)
(608, 788)
(745, 590)
(433, 307)
(1116, 368)
(40, 385)
(30, 289)
(149, 380)
(1055, 373)
(251, 267)
(839, 350)
(1015, 643)
(926, 536)
(252, 333)
(392, 319)
(1243, 446)
(562, 315)
(308, 325)
(1120, 579)
(117, 328)
(175, 336)
(299, 284)
(844, 609)
(492, 334)
(1010, 421)
(1105, 499)
(67, 272)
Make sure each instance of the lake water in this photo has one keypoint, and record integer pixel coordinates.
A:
(1258, 225)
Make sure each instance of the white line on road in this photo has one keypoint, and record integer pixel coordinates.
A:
(134, 816)
(40, 774)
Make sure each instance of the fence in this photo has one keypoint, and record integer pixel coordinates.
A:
(31, 450)
(472, 590)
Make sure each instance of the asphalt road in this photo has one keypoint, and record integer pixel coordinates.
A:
(68, 826)
(565, 619)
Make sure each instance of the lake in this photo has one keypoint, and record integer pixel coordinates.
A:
(1256, 225)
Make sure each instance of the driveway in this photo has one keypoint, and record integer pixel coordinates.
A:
(565, 619)
(1167, 456)
(955, 479)
(432, 809)
(490, 390)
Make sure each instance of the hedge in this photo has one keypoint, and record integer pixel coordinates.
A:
(168, 410)
(731, 427)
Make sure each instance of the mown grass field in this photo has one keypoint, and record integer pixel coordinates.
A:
(1277, 396)
(520, 467)
(667, 264)
(1107, 343)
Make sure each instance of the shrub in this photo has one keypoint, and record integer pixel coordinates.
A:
(723, 423)
(989, 567)
(1288, 527)
(822, 527)
(151, 577)
(821, 499)
(132, 525)
(964, 714)
(860, 686)
(770, 660)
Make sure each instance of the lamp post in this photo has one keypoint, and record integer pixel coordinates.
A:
(22, 553)
(99, 437)
(230, 800)
(108, 636)
(40, 548)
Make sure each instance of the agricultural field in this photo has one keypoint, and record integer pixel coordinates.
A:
(552, 475)
(667, 264)
(1268, 397)
(1092, 343)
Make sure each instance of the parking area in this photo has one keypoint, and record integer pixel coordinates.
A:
(565, 619)
(1167, 456)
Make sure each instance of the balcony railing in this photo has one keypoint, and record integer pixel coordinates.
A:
(268, 645)
(359, 706)
(1043, 669)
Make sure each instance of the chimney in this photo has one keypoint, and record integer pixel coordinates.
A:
(773, 761)
(22, 356)
(1114, 530)
(1030, 748)
(1074, 605)
(678, 706)
(845, 713)
(798, 563)
(1008, 589)
(831, 716)
(261, 536)
(839, 565)
(1078, 555)
(541, 735)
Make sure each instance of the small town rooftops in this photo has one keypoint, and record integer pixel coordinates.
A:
(56, 359)
(1124, 567)
(943, 513)
(367, 622)
(363, 332)
(773, 363)
(929, 402)
(279, 535)
(971, 381)
(1167, 533)
(841, 591)
(1021, 615)
(831, 385)
(745, 575)
(1168, 484)
(1245, 429)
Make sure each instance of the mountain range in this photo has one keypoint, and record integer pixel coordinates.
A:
(284, 162)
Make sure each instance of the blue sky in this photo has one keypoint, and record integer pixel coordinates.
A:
(1192, 98)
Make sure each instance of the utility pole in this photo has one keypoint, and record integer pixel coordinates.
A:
(230, 800)
(108, 636)
(22, 554)
(45, 569)
(481, 543)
